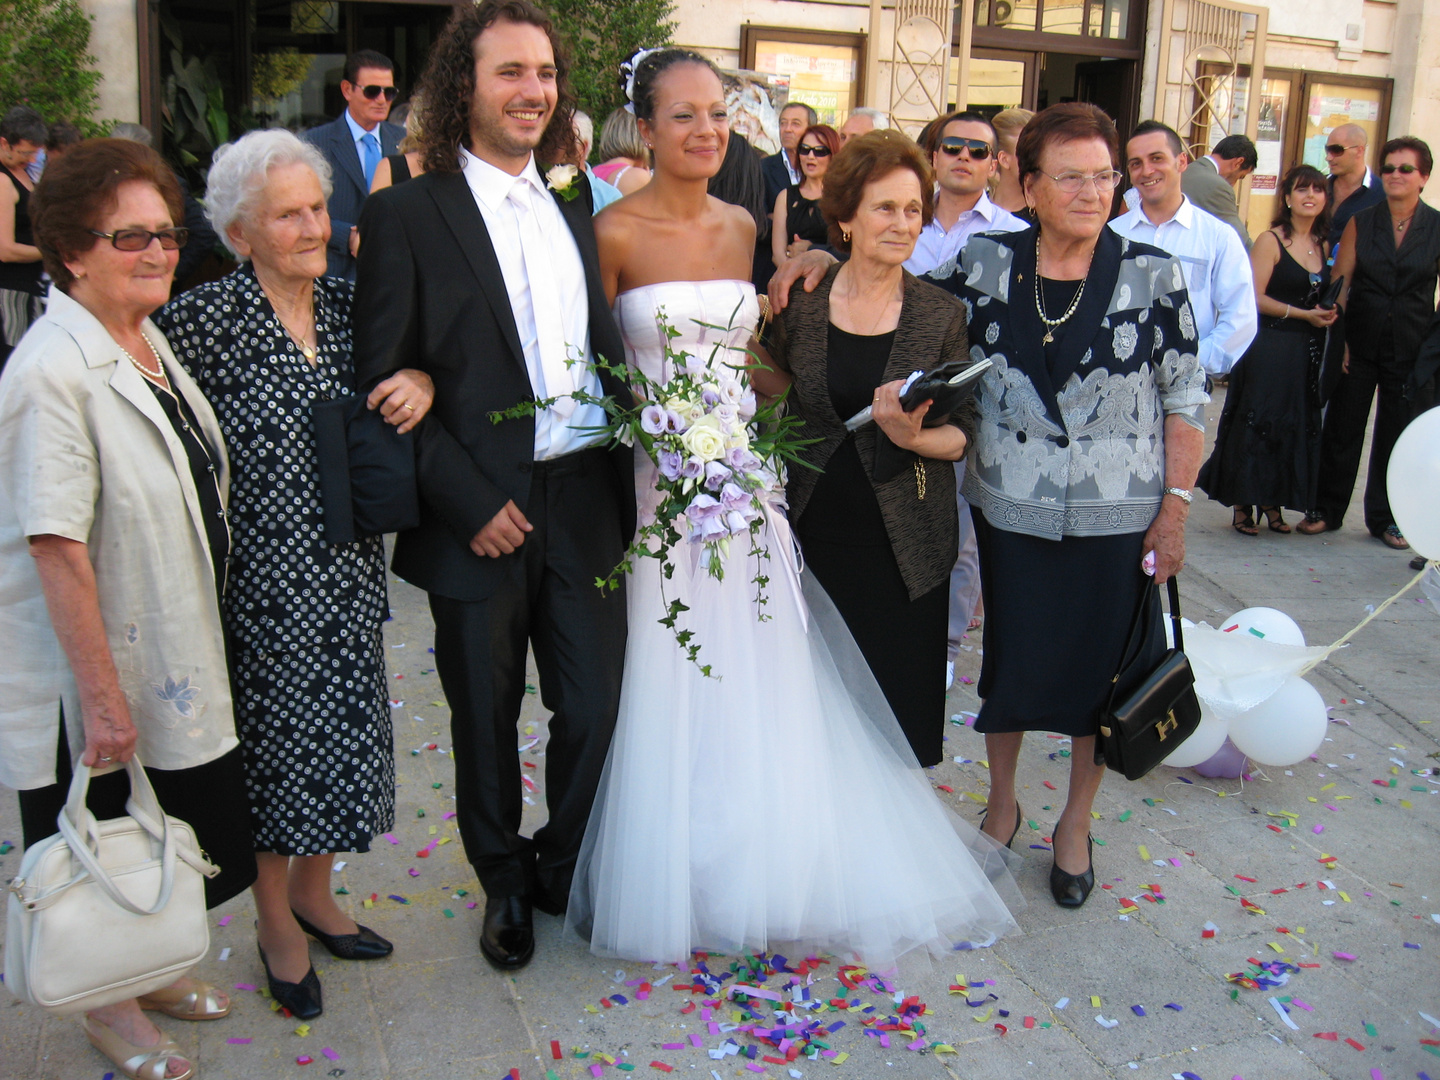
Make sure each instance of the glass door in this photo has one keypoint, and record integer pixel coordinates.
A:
(999, 79)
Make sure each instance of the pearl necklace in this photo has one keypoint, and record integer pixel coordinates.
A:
(1051, 325)
(156, 376)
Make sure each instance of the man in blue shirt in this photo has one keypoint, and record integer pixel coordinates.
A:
(354, 145)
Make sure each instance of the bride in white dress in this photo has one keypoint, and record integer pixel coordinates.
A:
(776, 806)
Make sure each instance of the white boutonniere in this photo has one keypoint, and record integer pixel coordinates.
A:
(561, 180)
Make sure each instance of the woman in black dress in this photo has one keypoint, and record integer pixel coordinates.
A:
(1267, 449)
(876, 514)
(22, 135)
(799, 225)
(303, 616)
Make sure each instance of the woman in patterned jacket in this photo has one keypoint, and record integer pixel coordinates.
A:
(302, 617)
(1090, 436)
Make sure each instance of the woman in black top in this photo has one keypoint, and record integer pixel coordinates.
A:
(1390, 258)
(799, 224)
(1267, 450)
(22, 134)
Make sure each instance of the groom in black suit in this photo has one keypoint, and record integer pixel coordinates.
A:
(484, 273)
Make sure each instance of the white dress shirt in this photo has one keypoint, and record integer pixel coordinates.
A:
(491, 188)
(939, 245)
(1217, 275)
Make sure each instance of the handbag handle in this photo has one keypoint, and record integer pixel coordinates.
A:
(144, 808)
(1137, 629)
(1174, 587)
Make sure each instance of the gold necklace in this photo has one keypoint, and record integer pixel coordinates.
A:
(308, 351)
(1051, 325)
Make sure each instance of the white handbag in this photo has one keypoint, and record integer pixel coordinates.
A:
(107, 910)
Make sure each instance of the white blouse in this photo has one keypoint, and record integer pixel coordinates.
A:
(87, 453)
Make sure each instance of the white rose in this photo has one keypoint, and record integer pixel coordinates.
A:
(738, 440)
(728, 415)
(705, 439)
(691, 411)
(561, 177)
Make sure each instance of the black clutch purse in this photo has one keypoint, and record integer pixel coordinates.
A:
(366, 472)
(1151, 712)
(1331, 296)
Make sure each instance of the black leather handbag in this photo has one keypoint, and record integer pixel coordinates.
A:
(1150, 713)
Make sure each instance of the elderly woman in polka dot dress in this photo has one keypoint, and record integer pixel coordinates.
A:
(303, 617)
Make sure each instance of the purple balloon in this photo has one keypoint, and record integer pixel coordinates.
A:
(1228, 762)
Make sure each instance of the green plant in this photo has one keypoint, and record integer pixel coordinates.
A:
(600, 35)
(194, 113)
(45, 62)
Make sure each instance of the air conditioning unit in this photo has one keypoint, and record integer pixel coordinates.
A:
(1004, 12)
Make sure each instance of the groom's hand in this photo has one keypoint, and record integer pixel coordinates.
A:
(505, 532)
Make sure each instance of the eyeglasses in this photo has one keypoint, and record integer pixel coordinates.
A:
(812, 151)
(139, 239)
(1073, 183)
(1407, 168)
(953, 144)
(372, 92)
(1335, 149)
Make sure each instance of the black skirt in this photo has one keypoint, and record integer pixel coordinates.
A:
(1058, 616)
(210, 798)
(1267, 447)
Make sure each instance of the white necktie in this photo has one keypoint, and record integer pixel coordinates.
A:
(544, 304)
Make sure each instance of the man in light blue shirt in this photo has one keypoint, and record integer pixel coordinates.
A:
(601, 191)
(964, 161)
(1217, 270)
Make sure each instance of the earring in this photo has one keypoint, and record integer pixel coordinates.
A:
(845, 236)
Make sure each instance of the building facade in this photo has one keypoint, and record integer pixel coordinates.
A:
(1192, 63)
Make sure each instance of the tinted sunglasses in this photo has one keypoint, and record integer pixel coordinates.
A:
(139, 239)
(1335, 149)
(1407, 169)
(953, 144)
(372, 92)
(812, 151)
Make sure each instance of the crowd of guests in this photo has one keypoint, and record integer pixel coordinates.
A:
(163, 552)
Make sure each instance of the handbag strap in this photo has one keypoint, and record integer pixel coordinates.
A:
(1173, 586)
(1137, 629)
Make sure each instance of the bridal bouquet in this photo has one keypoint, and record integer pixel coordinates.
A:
(720, 457)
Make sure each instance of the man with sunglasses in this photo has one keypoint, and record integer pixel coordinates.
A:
(354, 144)
(963, 157)
(1353, 186)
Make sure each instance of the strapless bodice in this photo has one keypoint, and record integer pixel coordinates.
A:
(714, 319)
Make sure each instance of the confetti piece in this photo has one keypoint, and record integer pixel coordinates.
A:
(329, 1053)
(1356, 1045)
(662, 1066)
(1066, 1001)
(1343, 955)
(1144, 852)
(238, 1041)
(1099, 1019)
(1094, 1002)
(1138, 1010)
(304, 1059)
(1284, 1016)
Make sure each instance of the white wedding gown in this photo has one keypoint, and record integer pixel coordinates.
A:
(776, 806)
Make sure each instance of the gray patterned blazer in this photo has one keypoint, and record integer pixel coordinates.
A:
(924, 533)
(1076, 446)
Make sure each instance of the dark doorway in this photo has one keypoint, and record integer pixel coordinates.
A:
(1109, 84)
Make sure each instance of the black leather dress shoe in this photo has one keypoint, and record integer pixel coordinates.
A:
(302, 998)
(508, 936)
(541, 900)
(1072, 890)
(366, 945)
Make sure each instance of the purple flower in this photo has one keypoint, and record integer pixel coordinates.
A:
(670, 462)
(734, 497)
(652, 420)
(675, 422)
(736, 522)
(709, 398)
(741, 459)
(715, 475)
(692, 469)
(706, 518)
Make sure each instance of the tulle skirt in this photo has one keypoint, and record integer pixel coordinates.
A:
(775, 805)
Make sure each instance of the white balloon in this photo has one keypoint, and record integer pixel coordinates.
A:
(1285, 728)
(1269, 624)
(1203, 744)
(1412, 480)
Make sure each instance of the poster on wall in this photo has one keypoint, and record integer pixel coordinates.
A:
(1329, 107)
(822, 76)
(754, 100)
(1268, 138)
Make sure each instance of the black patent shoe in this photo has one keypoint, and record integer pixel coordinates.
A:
(508, 936)
(302, 998)
(366, 945)
(1019, 820)
(1072, 890)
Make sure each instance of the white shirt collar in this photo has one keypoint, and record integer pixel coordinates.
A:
(491, 185)
(1184, 217)
(984, 207)
(356, 131)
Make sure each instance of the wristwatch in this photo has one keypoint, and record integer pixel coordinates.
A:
(1180, 493)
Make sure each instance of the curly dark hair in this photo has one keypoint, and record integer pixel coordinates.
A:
(448, 86)
(649, 70)
(1303, 176)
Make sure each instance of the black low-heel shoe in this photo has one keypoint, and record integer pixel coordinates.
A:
(1072, 890)
(366, 945)
(302, 998)
(1019, 820)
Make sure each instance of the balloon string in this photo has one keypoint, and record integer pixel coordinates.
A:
(1403, 590)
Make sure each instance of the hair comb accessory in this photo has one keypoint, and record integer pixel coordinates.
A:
(628, 69)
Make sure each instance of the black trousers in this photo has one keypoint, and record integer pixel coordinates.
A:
(548, 600)
(1343, 439)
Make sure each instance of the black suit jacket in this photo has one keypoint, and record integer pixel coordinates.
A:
(777, 178)
(430, 295)
(336, 142)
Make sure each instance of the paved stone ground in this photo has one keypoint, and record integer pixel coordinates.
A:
(436, 1010)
